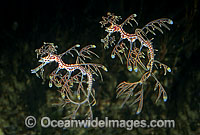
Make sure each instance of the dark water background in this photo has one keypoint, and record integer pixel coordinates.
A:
(25, 25)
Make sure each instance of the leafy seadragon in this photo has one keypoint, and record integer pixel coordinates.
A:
(74, 80)
(135, 54)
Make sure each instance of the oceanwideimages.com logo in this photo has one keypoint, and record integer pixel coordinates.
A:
(46, 122)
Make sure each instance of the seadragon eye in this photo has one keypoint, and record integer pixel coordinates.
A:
(52, 57)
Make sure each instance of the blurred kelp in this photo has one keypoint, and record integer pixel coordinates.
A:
(26, 24)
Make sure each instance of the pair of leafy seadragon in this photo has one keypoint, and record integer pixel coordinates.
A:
(75, 80)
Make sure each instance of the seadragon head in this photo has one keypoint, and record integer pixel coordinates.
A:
(111, 20)
(49, 58)
(45, 60)
(112, 28)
